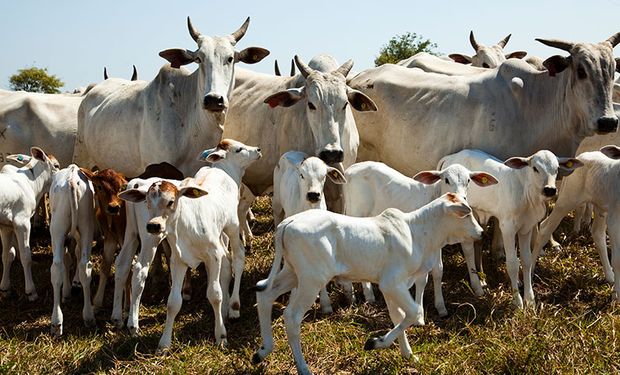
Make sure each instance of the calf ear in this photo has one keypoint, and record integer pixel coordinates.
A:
(178, 57)
(556, 64)
(483, 179)
(516, 55)
(86, 172)
(132, 195)
(285, 98)
(461, 59)
(611, 151)
(336, 176)
(192, 192)
(360, 101)
(251, 55)
(212, 155)
(569, 164)
(38, 154)
(457, 206)
(19, 158)
(427, 177)
(517, 162)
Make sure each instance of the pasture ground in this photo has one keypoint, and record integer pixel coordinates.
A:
(574, 328)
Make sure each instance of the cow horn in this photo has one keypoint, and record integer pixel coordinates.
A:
(292, 68)
(614, 39)
(192, 31)
(105, 73)
(561, 44)
(502, 43)
(277, 68)
(134, 75)
(473, 42)
(345, 68)
(304, 69)
(237, 35)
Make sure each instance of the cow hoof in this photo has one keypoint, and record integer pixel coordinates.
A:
(233, 314)
(117, 323)
(90, 323)
(442, 312)
(56, 330)
(5, 293)
(327, 310)
(32, 296)
(187, 297)
(134, 331)
(256, 359)
(223, 343)
(163, 351)
(372, 343)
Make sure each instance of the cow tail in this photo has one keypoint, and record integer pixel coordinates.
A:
(277, 261)
(73, 184)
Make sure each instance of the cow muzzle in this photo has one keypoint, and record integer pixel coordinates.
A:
(214, 103)
(153, 228)
(606, 125)
(550, 191)
(332, 156)
(313, 197)
(114, 209)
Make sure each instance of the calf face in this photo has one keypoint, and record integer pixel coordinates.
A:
(107, 184)
(455, 179)
(231, 151)
(312, 174)
(460, 224)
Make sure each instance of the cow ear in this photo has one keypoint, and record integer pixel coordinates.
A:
(19, 158)
(556, 64)
(517, 162)
(86, 172)
(178, 56)
(427, 177)
(215, 156)
(483, 179)
(611, 151)
(285, 98)
(251, 55)
(38, 154)
(456, 206)
(336, 176)
(192, 192)
(461, 59)
(360, 101)
(569, 164)
(132, 195)
(516, 55)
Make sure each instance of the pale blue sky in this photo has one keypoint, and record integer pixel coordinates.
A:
(75, 39)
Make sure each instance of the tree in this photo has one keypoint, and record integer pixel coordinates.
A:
(403, 46)
(35, 79)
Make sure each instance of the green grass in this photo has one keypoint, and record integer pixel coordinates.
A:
(574, 328)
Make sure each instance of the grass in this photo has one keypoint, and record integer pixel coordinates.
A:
(574, 328)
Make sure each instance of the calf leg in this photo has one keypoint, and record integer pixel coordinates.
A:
(225, 277)
(140, 273)
(326, 305)
(122, 267)
(85, 268)
(468, 251)
(525, 241)
(437, 273)
(599, 228)
(245, 215)
(177, 270)
(397, 315)
(57, 271)
(215, 294)
(109, 249)
(614, 239)
(420, 285)
(512, 264)
(8, 256)
(238, 261)
(22, 233)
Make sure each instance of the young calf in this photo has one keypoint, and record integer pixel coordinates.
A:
(373, 187)
(392, 249)
(194, 228)
(20, 191)
(518, 202)
(597, 184)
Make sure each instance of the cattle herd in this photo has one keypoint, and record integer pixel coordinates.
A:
(492, 139)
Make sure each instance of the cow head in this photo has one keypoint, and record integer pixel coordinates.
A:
(455, 179)
(487, 57)
(233, 152)
(216, 57)
(312, 174)
(459, 224)
(107, 184)
(542, 170)
(326, 98)
(590, 72)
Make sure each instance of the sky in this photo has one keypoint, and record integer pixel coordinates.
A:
(75, 39)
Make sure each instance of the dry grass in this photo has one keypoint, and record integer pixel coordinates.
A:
(573, 329)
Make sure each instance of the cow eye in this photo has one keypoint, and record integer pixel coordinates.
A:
(485, 65)
(301, 175)
(230, 59)
(198, 60)
(345, 105)
(535, 169)
(581, 72)
(447, 182)
(239, 149)
(170, 204)
(311, 106)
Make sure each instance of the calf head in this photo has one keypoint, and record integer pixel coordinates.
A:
(542, 170)
(232, 152)
(455, 179)
(216, 57)
(162, 201)
(487, 57)
(312, 174)
(107, 184)
(42, 165)
(589, 71)
(459, 224)
(326, 98)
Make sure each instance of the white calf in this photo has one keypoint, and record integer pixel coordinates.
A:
(596, 183)
(392, 250)
(518, 202)
(73, 213)
(194, 228)
(373, 187)
(20, 191)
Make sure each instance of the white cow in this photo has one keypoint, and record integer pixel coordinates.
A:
(510, 110)
(374, 187)
(194, 229)
(596, 183)
(518, 202)
(72, 207)
(392, 250)
(171, 118)
(487, 57)
(20, 190)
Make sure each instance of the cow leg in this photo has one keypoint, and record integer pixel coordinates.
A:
(138, 280)
(478, 260)
(75, 284)
(284, 281)
(22, 232)
(177, 270)
(8, 256)
(245, 215)
(238, 261)
(85, 268)
(497, 245)
(122, 266)
(437, 273)
(420, 285)
(369, 293)
(545, 230)
(186, 291)
(109, 249)
(614, 232)
(57, 272)
(599, 228)
(347, 287)
(225, 277)
(580, 213)
(512, 263)
(326, 305)
(215, 294)
(397, 315)
(468, 251)
(525, 243)
(66, 283)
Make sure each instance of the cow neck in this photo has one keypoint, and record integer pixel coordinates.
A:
(37, 180)
(532, 195)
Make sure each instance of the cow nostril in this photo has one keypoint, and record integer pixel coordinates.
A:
(313, 197)
(114, 209)
(332, 156)
(549, 191)
(213, 102)
(153, 227)
(607, 124)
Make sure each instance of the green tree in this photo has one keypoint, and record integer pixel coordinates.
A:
(35, 79)
(403, 46)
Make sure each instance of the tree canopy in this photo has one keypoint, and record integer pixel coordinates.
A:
(35, 79)
(403, 46)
